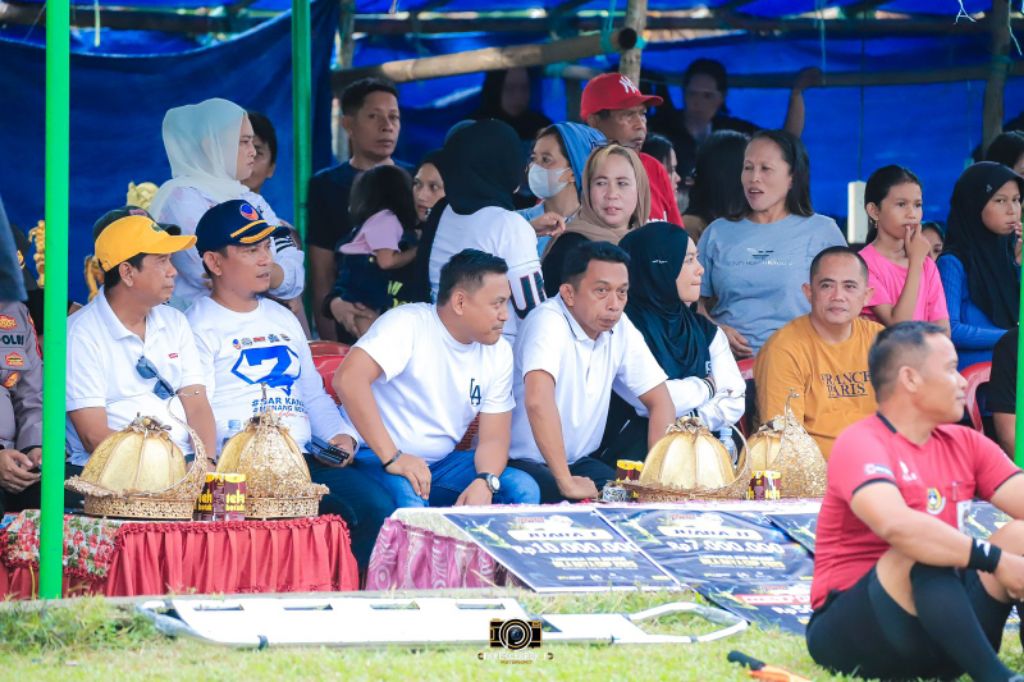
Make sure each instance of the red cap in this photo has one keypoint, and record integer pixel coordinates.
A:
(613, 91)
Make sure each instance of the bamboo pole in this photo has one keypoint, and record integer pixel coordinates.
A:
(834, 80)
(385, 24)
(490, 59)
(1018, 454)
(992, 113)
(55, 306)
(301, 105)
(636, 19)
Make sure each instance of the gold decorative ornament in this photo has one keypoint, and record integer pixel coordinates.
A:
(141, 195)
(93, 275)
(139, 472)
(783, 445)
(689, 462)
(38, 236)
(278, 484)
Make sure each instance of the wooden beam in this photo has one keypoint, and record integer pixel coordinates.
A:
(346, 27)
(488, 59)
(992, 111)
(636, 19)
(862, 7)
(784, 81)
(142, 20)
(173, 22)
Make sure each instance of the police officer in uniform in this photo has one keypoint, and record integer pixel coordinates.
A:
(21, 382)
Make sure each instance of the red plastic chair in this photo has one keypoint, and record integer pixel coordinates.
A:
(747, 368)
(327, 357)
(977, 374)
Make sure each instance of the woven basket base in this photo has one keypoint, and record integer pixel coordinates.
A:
(281, 508)
(139, 508)
(653, 493)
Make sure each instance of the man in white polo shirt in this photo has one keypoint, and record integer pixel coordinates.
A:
(568, 353)
(249, 344)
(128, 354)
(416, 380)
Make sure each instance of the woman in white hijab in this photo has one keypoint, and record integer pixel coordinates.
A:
(210, 148)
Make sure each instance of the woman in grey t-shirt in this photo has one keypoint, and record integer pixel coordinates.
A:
(756, 262)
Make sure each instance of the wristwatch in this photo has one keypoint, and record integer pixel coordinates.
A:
(492, 481)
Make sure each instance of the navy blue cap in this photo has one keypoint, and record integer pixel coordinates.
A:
(233, 222)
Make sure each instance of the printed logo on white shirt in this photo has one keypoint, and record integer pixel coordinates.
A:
(275, 366)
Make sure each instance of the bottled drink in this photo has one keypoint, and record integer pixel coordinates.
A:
(234, 426)
(725, 435)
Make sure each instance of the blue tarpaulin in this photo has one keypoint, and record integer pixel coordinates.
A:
(121, 89)
(117, 107)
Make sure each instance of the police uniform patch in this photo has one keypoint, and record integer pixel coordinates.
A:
(14, 360)
(8, 322)
(936, 502)
(12, 380)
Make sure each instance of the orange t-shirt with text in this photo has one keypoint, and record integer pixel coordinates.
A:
(832, 380)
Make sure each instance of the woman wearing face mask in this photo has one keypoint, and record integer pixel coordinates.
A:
(616, 199)
(757, 261)
(210, 149)
(556, 171)
(980, 267)
(703, 378)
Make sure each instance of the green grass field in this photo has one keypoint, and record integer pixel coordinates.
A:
(95, 639)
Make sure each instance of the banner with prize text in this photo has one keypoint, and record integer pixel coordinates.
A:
(556, 550)
(697, 546)
(786, 606)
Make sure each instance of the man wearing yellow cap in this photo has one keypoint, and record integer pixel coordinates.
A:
(128, 353)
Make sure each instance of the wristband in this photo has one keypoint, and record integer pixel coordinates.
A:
(393, 459)
(984, 556)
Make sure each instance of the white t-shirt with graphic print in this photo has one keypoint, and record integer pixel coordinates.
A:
(242, 352)
(432, 385)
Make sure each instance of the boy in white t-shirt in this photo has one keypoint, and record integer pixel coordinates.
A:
(413, 384)
(128, 354)
(249, 344)
(568, 353)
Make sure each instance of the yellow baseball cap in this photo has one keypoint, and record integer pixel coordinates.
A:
(135, 234)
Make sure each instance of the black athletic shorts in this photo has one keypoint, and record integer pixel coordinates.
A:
(862, 632)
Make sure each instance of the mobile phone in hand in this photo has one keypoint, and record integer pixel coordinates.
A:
(328, 453)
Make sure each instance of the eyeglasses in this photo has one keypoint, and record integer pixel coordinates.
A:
(146, 370)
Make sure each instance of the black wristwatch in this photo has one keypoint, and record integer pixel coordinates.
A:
(492, 481)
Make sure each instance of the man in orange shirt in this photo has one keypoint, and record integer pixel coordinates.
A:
(823, 356)
(612, 104)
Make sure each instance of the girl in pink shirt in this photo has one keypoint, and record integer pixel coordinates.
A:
(905, 282)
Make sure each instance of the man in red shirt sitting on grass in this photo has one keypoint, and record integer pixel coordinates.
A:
(898, 591)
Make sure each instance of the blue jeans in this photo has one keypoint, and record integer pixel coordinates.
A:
(448, 478)
(358, 499)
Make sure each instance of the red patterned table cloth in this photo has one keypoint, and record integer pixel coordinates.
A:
(130, 558)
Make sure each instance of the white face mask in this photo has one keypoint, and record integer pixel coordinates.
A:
(544, 183)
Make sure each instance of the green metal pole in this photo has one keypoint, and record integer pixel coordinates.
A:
(1019, 436)
(301, 105)
(55, 316)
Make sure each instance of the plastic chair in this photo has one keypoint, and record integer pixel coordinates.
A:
(977, 374)
(318, 348)
(747, 368)
(327, 357)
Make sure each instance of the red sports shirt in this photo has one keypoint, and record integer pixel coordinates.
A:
(663, 194)
(955, 464)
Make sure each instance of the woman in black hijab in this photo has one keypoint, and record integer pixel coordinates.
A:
(980, 266)
(480, 166)
(703, 378)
